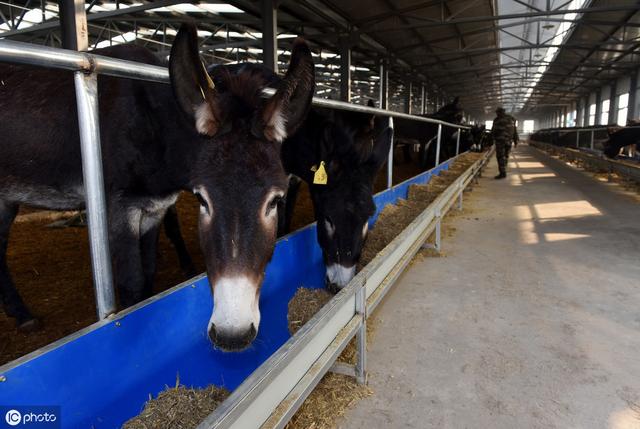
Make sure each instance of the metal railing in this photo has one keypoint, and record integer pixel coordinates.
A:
(592, 130)
(591, 161)
(87, 66)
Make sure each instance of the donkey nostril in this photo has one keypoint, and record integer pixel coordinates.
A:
(213, 336)
(252, 331)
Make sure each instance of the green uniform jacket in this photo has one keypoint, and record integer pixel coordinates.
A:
(504, 129)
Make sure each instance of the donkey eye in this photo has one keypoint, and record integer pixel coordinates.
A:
(273, 204)
(203, 204)
(328, 224)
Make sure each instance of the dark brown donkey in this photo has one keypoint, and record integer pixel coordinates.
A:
(220, 142)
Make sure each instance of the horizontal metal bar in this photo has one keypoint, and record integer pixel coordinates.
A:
(44, 56)
(288, 407)
(623, 169)
(26, 53)
(413, 237)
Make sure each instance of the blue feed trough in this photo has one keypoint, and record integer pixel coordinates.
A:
(102, 376)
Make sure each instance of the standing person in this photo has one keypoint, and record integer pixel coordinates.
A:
(503, 132)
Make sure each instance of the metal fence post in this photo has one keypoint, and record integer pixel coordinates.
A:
(87, 102)
(577, 139)
(361, 336)
(390, 158)
(438, 243)
(592, 133)
(458, 141)
(438, 145)
(75, 31)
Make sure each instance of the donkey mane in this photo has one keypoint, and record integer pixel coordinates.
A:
(242, 92)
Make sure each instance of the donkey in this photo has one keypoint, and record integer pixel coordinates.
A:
(619, 137)
(425, 134)
(158, 140)
(351, 147)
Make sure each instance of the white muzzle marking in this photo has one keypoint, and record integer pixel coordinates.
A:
(235, 306)
(340, 275)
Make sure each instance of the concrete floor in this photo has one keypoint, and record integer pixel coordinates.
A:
(532, 320)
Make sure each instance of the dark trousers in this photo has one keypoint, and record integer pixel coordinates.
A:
(502, 155)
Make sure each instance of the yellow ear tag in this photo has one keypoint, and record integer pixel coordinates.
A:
(209, 80)
(320, 175)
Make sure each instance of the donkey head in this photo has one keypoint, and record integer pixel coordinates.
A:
(356, 147)
(238, 176)
(451, 112)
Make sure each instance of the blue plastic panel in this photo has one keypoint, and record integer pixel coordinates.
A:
(103, 378)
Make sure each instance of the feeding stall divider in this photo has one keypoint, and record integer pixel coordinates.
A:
(124, 355)
(598, 162)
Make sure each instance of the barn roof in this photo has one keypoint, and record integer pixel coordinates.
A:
(523, 54)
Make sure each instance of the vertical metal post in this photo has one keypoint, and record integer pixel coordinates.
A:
(438, 244)
(438, 144)
(598, 106)
(270, 34)
(87, 102)
(73, 25)
(458, 141)
(74, 21)
(345, 70)
(613, 106)
(384, 84)
(423, 99)
(390, 158)
(577, 138)
(633, 90)
(408, 96)
(361, 336)
(592, 133)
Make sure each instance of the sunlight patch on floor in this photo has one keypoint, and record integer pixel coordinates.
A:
(532, 176)
(625, 419)
(563, 236)
(529, 164)
(565, 209)
(526, 227)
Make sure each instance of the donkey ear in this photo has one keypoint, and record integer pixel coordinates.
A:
(287, 109)
(192, 86)
(381, 144)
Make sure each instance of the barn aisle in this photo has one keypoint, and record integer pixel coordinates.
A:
(531, 320)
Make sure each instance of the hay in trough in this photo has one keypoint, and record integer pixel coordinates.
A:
(331, 398)
(337, 393)
(178, 408)
(305, 303)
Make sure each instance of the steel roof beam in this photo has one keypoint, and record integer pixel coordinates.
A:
(94, 17)
(608, 66)
(483, 51)
(597, 9)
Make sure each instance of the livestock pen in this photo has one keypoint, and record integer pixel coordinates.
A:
(116, 359)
